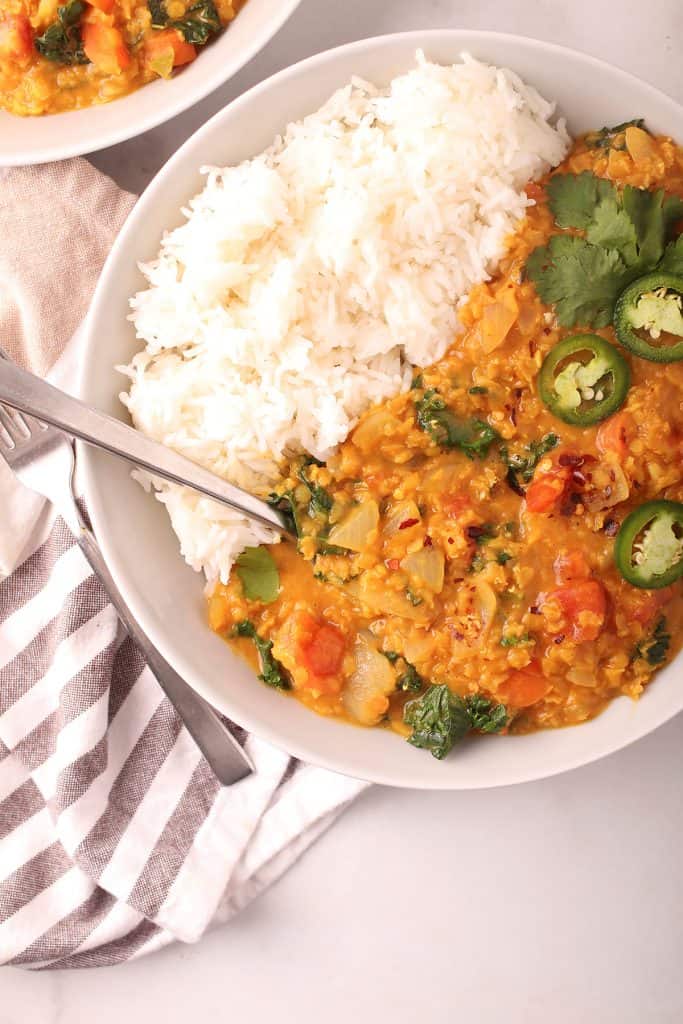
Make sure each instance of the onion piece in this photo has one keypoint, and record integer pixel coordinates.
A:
(366, 693)
(427, 566)
(355, 530)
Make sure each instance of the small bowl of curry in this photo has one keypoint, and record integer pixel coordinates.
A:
(84, 74)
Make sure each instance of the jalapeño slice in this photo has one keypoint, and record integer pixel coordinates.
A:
(649, 546)
(583, 379)
(652, 305)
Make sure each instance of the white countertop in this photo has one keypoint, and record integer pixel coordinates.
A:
(557, 902)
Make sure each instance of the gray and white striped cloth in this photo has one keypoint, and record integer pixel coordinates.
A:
(115, 839)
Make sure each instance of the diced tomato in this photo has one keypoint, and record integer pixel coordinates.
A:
(455, 504)
(524, 687)
(107, 6)
(571, 565)
(613, 435)
(547, 489)
(168, 44)
(393, 563)
(649, 604)
(535, 192)
(325, 651)
(16, 38)
(584, 606)
(105, 47)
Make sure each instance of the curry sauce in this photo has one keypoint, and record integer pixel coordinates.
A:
(486, 565)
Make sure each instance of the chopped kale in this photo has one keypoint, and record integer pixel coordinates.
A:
(474, 437)
(521, 465)
(272, 673)
(439, 718)
(62, 42)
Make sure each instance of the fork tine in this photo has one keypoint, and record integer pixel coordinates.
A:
(12, 427)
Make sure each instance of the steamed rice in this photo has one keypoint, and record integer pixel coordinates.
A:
(307, 283)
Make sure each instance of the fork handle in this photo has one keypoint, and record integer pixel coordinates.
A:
(225, 756)
(29, 394)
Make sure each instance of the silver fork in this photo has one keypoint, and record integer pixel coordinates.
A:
(43, 460)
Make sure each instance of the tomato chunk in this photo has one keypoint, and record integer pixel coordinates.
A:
(547, 489)
(613, 435)
(649, 603)
(168, 47)
(571, 565)
(584, 606)
(107, 6)
(16, 38)
(105, 47)
(324, 653)
(524, 687)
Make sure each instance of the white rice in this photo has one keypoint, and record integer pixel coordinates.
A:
(308, 282)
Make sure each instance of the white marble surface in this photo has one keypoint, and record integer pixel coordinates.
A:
(558, 902)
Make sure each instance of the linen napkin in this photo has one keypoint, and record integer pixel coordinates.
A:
(115, 838)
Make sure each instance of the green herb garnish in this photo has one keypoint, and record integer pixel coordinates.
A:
(199, 23)
(473, 437)
(515, 641)
(62, 42)
(439, 718)
(521, 465)
(655, 649)
(258, 574)
(320, 502)
(626, 235)
(503, 557)
(272, 673)
(612, 138)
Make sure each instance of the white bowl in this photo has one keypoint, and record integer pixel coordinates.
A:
(35, 140)
(142, 552)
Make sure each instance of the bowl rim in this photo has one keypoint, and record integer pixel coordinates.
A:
(465, 38)
(160, 113)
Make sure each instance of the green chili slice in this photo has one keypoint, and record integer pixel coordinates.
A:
(653, 306)
(648, 550)
(584, 379)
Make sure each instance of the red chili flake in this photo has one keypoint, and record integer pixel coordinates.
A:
(534, 610)
(428, 541)
(578, 477)
(393, 563)
(449, 539)
(611, 527)
(406, 523)
(474, 532)
(559, 638)
(569, 459)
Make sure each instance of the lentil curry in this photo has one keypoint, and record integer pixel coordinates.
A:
(500, 549)
(56, 57)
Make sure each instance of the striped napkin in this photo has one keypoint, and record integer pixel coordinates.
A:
(115, 838)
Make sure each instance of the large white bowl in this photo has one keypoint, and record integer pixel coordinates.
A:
(140, 548)
(34, 140)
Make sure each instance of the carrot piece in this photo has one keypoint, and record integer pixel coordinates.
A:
(16, 38)
(613, 435)
(584, 606)
(105, 47)
(106, 6)
(571, 565)
(167, 49)
(524, 687)
(547, 490)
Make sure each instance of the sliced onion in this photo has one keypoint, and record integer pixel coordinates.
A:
(402, 511)
(427, 566)
(354, 531)
(380, 600)
(373, 679)
(486, 604)
(373, 428)
(496, 321)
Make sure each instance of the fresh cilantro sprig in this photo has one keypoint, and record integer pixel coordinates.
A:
(626, 235)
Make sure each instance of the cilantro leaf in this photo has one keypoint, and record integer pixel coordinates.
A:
(652, 215)
(572, 198)
(672, 260)
(258, 574)
(612, 228)
(583, 281)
